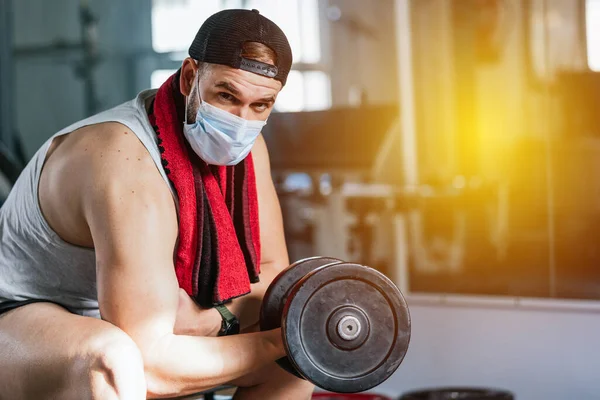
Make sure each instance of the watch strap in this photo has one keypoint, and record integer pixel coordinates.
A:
(225, 313)
(229, 320)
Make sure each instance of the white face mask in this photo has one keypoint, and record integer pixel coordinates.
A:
(219, 137)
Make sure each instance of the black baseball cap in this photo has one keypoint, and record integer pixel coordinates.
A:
(222, 35)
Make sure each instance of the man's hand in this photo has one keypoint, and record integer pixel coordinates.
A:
(193, 320)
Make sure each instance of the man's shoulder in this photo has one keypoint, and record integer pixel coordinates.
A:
(105, 155)
(108, 134)
(103, 143)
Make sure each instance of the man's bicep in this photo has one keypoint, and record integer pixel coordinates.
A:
(271, 223)
(133, 227)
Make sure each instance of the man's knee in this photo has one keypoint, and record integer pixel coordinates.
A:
(109, 366)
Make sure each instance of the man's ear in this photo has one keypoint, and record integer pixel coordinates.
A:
(188, 73)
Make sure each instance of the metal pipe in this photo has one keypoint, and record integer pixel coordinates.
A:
(7, 125)
(90, 57)
(406, 90)
(548, 138)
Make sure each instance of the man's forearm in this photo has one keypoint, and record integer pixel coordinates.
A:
(196, 321)
(179, 365)
(247, 308)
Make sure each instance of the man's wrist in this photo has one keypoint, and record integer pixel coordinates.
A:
(216, 320)
(230, 325)
(277, 341)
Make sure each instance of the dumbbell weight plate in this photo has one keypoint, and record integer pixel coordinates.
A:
(346, 327)
(277, 292)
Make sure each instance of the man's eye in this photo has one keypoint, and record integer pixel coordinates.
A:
(226, 96)
(260, 107)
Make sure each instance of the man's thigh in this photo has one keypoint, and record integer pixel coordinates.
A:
(45, 352)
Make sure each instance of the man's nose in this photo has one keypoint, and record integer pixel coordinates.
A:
(243, 112)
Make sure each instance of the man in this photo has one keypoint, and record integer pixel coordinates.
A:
(139, 215)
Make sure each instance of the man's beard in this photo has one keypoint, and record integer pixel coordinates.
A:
(192, 105)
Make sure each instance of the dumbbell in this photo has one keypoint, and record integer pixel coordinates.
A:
(345, 327)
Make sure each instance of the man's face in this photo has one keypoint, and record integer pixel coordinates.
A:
(242, 93)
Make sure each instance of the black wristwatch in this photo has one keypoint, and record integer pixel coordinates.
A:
(230, 324)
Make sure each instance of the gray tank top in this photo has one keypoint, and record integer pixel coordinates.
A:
(35, 263)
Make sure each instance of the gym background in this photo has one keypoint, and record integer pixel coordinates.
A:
(454, 145)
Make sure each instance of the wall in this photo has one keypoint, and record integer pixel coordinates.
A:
(538, 349)
(512, 102)
(49, 95)
(546, 351)
(435, 87)
(362, 52)
(47, 83)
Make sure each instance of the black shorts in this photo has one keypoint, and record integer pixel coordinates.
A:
(11, 304)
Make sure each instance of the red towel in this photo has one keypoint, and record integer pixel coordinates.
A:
(218, 250)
